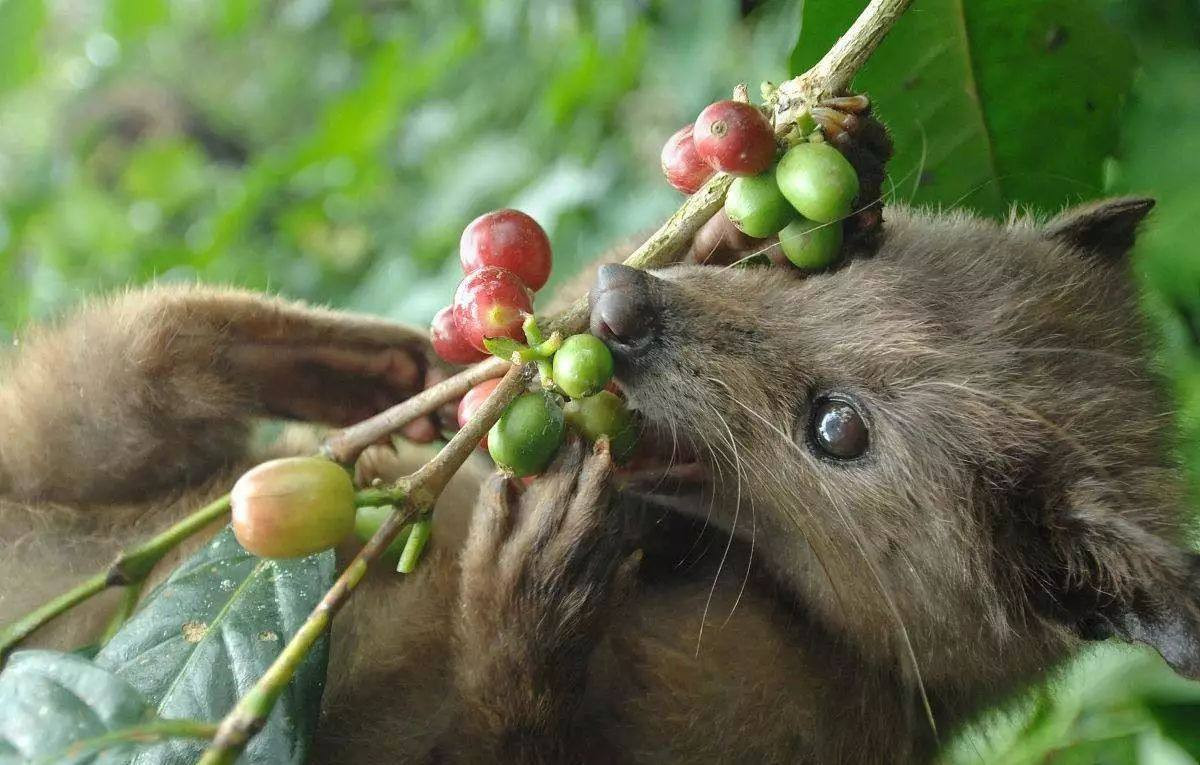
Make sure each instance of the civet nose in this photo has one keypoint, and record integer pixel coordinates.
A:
(623, 314)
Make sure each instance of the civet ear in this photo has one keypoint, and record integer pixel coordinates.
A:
(1167, 621)
(1106, 227)
(1107, 575)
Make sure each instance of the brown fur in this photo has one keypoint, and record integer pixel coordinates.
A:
(1015, 501)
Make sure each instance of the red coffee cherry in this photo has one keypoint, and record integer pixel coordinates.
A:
(735, 137)
(507, 239)
(448, 342)
(470, 403)
(491, 302)
(684, 168)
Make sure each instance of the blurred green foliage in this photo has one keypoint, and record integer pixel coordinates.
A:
(333, 150)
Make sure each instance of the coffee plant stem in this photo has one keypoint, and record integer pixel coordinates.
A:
(414, 495)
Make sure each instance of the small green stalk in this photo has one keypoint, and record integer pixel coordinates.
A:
(533, 333)
(509, 349)
(378, 496)
(548, 347)
(418, 537)
(546, 374)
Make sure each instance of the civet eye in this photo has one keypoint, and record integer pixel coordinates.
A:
(838, 430)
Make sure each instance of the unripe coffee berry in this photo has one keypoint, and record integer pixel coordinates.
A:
(682, 166)
(819, 182)
(292, 507)
(809, 245)
(735, 137)
(491, 302)
(756, 207)
(604, 415)
(527, 435)
(367, 521)
(582, 366)
(448, 342)
(507, 239)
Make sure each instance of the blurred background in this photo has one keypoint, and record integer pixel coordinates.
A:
(333, 150)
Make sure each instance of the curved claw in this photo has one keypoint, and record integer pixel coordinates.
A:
(856, 104)
(835, 124)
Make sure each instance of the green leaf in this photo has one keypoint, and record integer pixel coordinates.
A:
(1117, 750)
(1178, 722)
(50, 701)
(990, 102)
(204, 636)
(132, 19)
(21, 25)
(505, 347)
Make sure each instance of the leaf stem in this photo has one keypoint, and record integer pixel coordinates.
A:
(129, 600)
(345, 445)
(22, 628)
(129, 569)
(134, 566)
(420, 491)
(148, 733)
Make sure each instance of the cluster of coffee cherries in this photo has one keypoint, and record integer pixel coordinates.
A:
(506, 257)
(298, 506)
(803, 197)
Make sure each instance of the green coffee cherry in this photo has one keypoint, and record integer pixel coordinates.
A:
(811, 246)
(289, 508)
(819, 182)
(525, 438)
(755, 205)
(604, 414)
(367, 521)
(582, 366)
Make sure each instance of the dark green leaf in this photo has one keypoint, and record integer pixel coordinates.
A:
(1179, 722)
(50, 701)
(206, 634)
(1118, 750)
(990, 102)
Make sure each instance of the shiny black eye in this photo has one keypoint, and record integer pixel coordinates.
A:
(838, 430)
